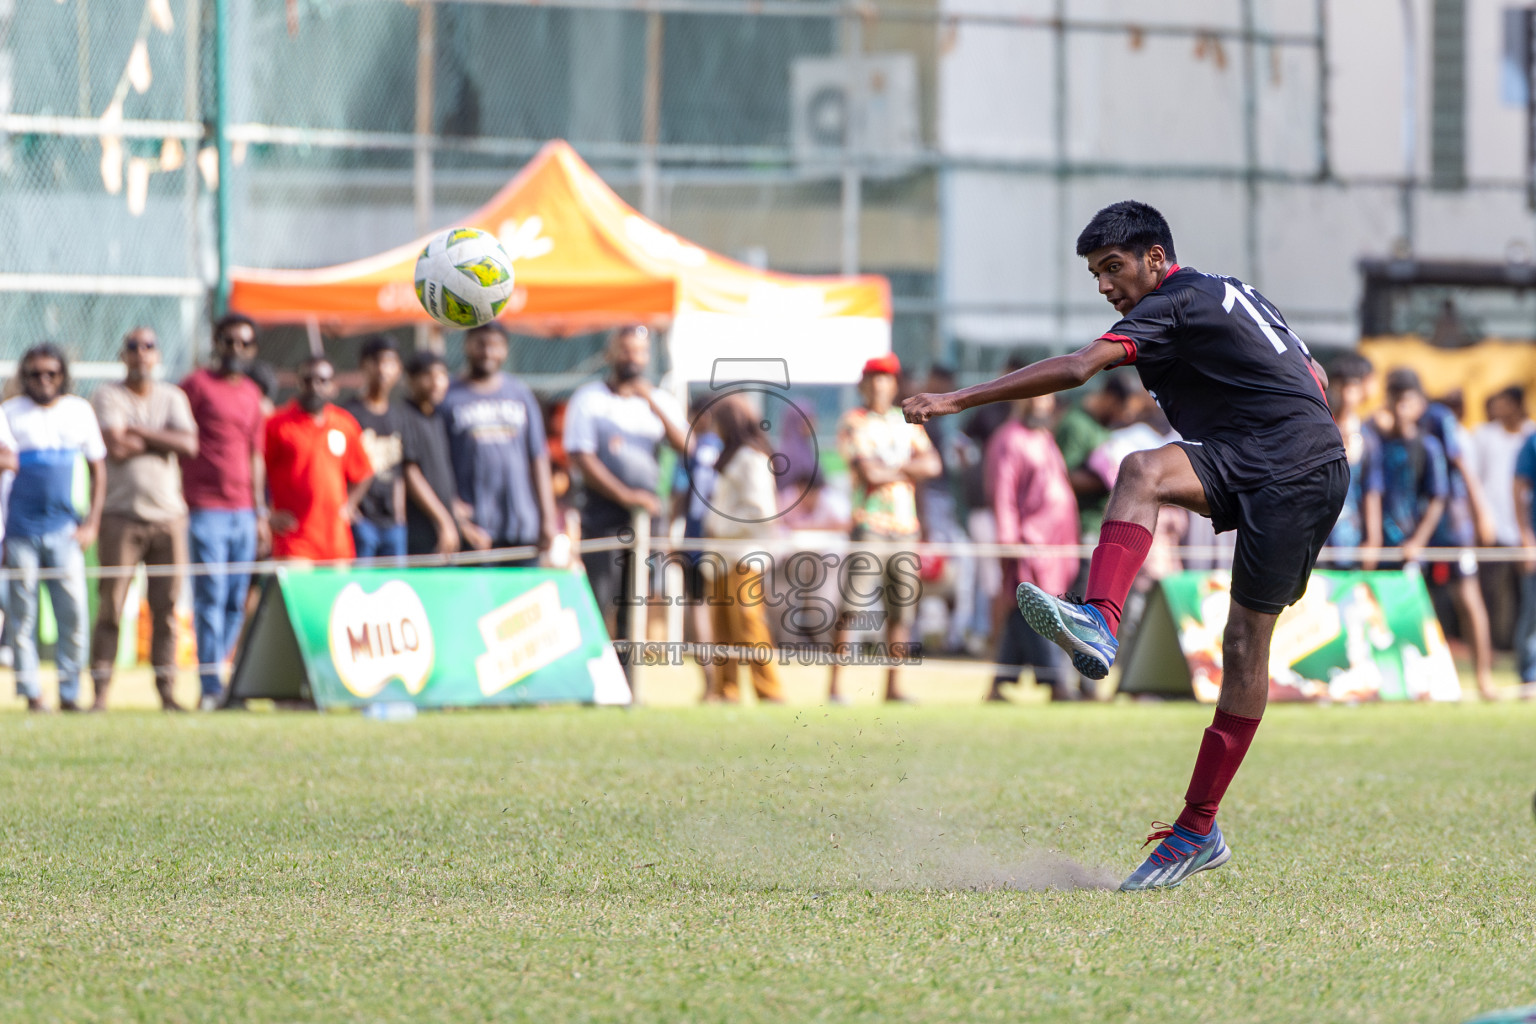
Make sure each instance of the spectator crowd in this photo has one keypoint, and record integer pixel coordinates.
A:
(211, 474)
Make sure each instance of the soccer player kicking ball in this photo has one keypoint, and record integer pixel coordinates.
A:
(1260, 455)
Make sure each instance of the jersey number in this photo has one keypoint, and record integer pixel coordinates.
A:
(1235, 296)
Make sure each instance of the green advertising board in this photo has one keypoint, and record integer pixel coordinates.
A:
(450, 637)
(1354, 636)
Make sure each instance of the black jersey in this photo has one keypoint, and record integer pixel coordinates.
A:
(1228, 372)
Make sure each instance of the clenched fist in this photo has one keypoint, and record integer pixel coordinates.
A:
(922, 408)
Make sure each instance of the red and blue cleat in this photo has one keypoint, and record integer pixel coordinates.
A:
(1179, 854)
(1075, 627)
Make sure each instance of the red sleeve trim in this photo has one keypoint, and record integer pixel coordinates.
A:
(1128, 344)
(1316, 379)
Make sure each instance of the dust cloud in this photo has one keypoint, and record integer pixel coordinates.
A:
(866, 811)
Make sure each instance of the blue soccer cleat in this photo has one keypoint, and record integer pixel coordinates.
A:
(1078, 629)
(1180, 854)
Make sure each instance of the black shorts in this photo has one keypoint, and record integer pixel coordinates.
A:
(1280, 527)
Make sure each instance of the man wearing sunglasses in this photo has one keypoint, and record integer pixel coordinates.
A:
(221, 483)
(53, 430)
(147, 425)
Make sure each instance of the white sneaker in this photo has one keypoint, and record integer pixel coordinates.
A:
(210, 703)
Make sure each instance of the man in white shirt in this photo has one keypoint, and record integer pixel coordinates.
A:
(1495, 445)
(7, 474)
(1491, 459)
(613, 429)
(53, 429)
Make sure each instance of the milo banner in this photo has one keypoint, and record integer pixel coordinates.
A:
(1355, 636)
(450, 637)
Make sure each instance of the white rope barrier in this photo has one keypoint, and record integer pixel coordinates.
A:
(824, 542)
(680, 652)
(1209, 552)
(490, 557)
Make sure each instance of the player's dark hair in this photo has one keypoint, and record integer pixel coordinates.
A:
(264, 376)
(1119, 386)
(1129, 225)
(1350, 368)
(493, 327)
(422, 361)
(140, 329)
(229, 320)
(377, 344)
(47, 350)
(737, 428)
(1403, 380)
(1515, 393)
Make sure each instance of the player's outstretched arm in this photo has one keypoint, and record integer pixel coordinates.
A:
(1048, 376)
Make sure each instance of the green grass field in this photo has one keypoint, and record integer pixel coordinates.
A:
(769, 864)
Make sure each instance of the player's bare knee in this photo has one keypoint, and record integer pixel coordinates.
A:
(1240, 643)
(1138, 475)
(1236, 648)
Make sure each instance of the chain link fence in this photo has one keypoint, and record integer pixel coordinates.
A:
(100, 127)
(956, 148)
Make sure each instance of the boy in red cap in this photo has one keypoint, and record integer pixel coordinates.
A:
(887, 457)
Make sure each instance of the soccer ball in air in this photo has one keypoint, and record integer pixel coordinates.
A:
(463, 278)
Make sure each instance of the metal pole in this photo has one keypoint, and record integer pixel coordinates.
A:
(1410, 123)
(192, 307)
(1530, 107)
(82, 60)
(650, 115)
(421, 180)
(945, 346)
(1251, 143)
(426, 338)
(640, 577)
(1064, 254)
(221, 142)
(853, 136)
(1324, 156)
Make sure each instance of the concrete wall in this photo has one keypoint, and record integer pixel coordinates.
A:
(1166, 110)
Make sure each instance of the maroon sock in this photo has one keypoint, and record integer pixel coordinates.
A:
(1116, 561)
(1221, 751)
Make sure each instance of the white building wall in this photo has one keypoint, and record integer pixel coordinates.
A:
(1155, 106)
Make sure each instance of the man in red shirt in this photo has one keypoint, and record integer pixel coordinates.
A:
(317, 470)
(222, 484)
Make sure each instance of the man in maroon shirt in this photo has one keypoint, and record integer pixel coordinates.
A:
(221, 485)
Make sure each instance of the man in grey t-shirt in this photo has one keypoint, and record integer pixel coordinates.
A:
(500, 459)
(613, 430)
(146, 425)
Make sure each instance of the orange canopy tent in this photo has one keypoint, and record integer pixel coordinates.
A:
(584, 260)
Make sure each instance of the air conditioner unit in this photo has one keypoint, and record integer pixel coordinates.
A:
(865, 106)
